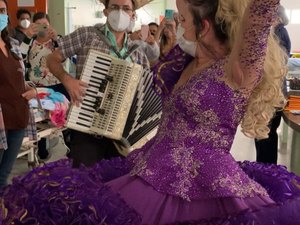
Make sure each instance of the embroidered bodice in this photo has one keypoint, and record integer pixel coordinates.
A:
(190, 155)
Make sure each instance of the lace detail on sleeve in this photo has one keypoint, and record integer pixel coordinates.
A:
(246, 62)
(168, 70)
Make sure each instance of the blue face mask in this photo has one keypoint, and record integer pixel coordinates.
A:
(3, 21)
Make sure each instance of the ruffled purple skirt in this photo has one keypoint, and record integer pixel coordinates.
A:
(56, 194)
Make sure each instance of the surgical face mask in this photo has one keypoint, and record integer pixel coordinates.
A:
(180, 31)
(42, 34)
(187, 46)
(25, 23)
(119, 20)
(3, 21)
(131, 26)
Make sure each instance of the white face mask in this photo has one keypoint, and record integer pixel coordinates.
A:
(131, 26)
(187, 46)
(25, 23)
(180, 31)
(119, 20)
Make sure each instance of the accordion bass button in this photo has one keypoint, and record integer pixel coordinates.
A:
(101, 111)
(102, 89)
(109, 78)
(110, 96)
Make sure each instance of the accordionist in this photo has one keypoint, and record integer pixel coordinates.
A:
(110, 38)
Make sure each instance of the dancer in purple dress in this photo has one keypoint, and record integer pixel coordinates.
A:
(226, 70)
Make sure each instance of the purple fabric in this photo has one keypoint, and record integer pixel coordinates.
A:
(64, 196)
(167, 72)
(189, 156)
(167, 208)
(184, 175)
(57, 194)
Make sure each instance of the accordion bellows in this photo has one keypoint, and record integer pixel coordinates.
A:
(120, 102)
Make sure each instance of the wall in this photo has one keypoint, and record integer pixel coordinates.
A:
(88, 12)
(83, 13)
(293, 29)
(67, 15)
(56, 11)
(171, 4)
(150, 13)
(39, 5)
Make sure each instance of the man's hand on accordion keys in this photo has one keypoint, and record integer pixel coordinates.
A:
(76, 89)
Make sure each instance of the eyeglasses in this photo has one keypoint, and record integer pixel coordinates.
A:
(3, 10)
(127, 9)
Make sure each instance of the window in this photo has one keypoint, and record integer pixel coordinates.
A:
(293, 15)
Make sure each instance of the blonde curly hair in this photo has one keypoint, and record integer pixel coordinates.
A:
(267, 96)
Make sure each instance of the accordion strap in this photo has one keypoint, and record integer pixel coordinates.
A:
(112, 47)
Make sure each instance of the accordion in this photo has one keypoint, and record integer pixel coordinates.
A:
(120, 102)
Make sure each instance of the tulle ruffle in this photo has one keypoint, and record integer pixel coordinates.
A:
(59, 195)
(56, 194)
(280, 184)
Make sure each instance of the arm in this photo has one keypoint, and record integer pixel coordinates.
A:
(25, 46)
(75, 88)
(246, 62)
(29, 93)
(28, 40)
(32, 30)
(151, 48)
(167, 71)
(159, 30)
(68, 46)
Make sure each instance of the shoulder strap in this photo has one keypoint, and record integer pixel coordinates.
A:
(132, 49)
(109, 44)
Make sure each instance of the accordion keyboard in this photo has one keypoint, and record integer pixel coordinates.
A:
(105, 107)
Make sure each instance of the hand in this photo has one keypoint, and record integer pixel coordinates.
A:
(52, 33)
(75, 88)
(29, 94)
(172, 26)
(32, 30)
(150, 39)
(163, 24)
(176, 17)
(136, 35)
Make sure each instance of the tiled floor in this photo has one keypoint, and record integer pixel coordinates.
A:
(243, 149)
(21, 165)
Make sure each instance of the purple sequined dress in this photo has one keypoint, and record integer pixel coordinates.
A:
(185, 174)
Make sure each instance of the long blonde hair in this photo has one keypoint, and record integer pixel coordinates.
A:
(267, 96)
